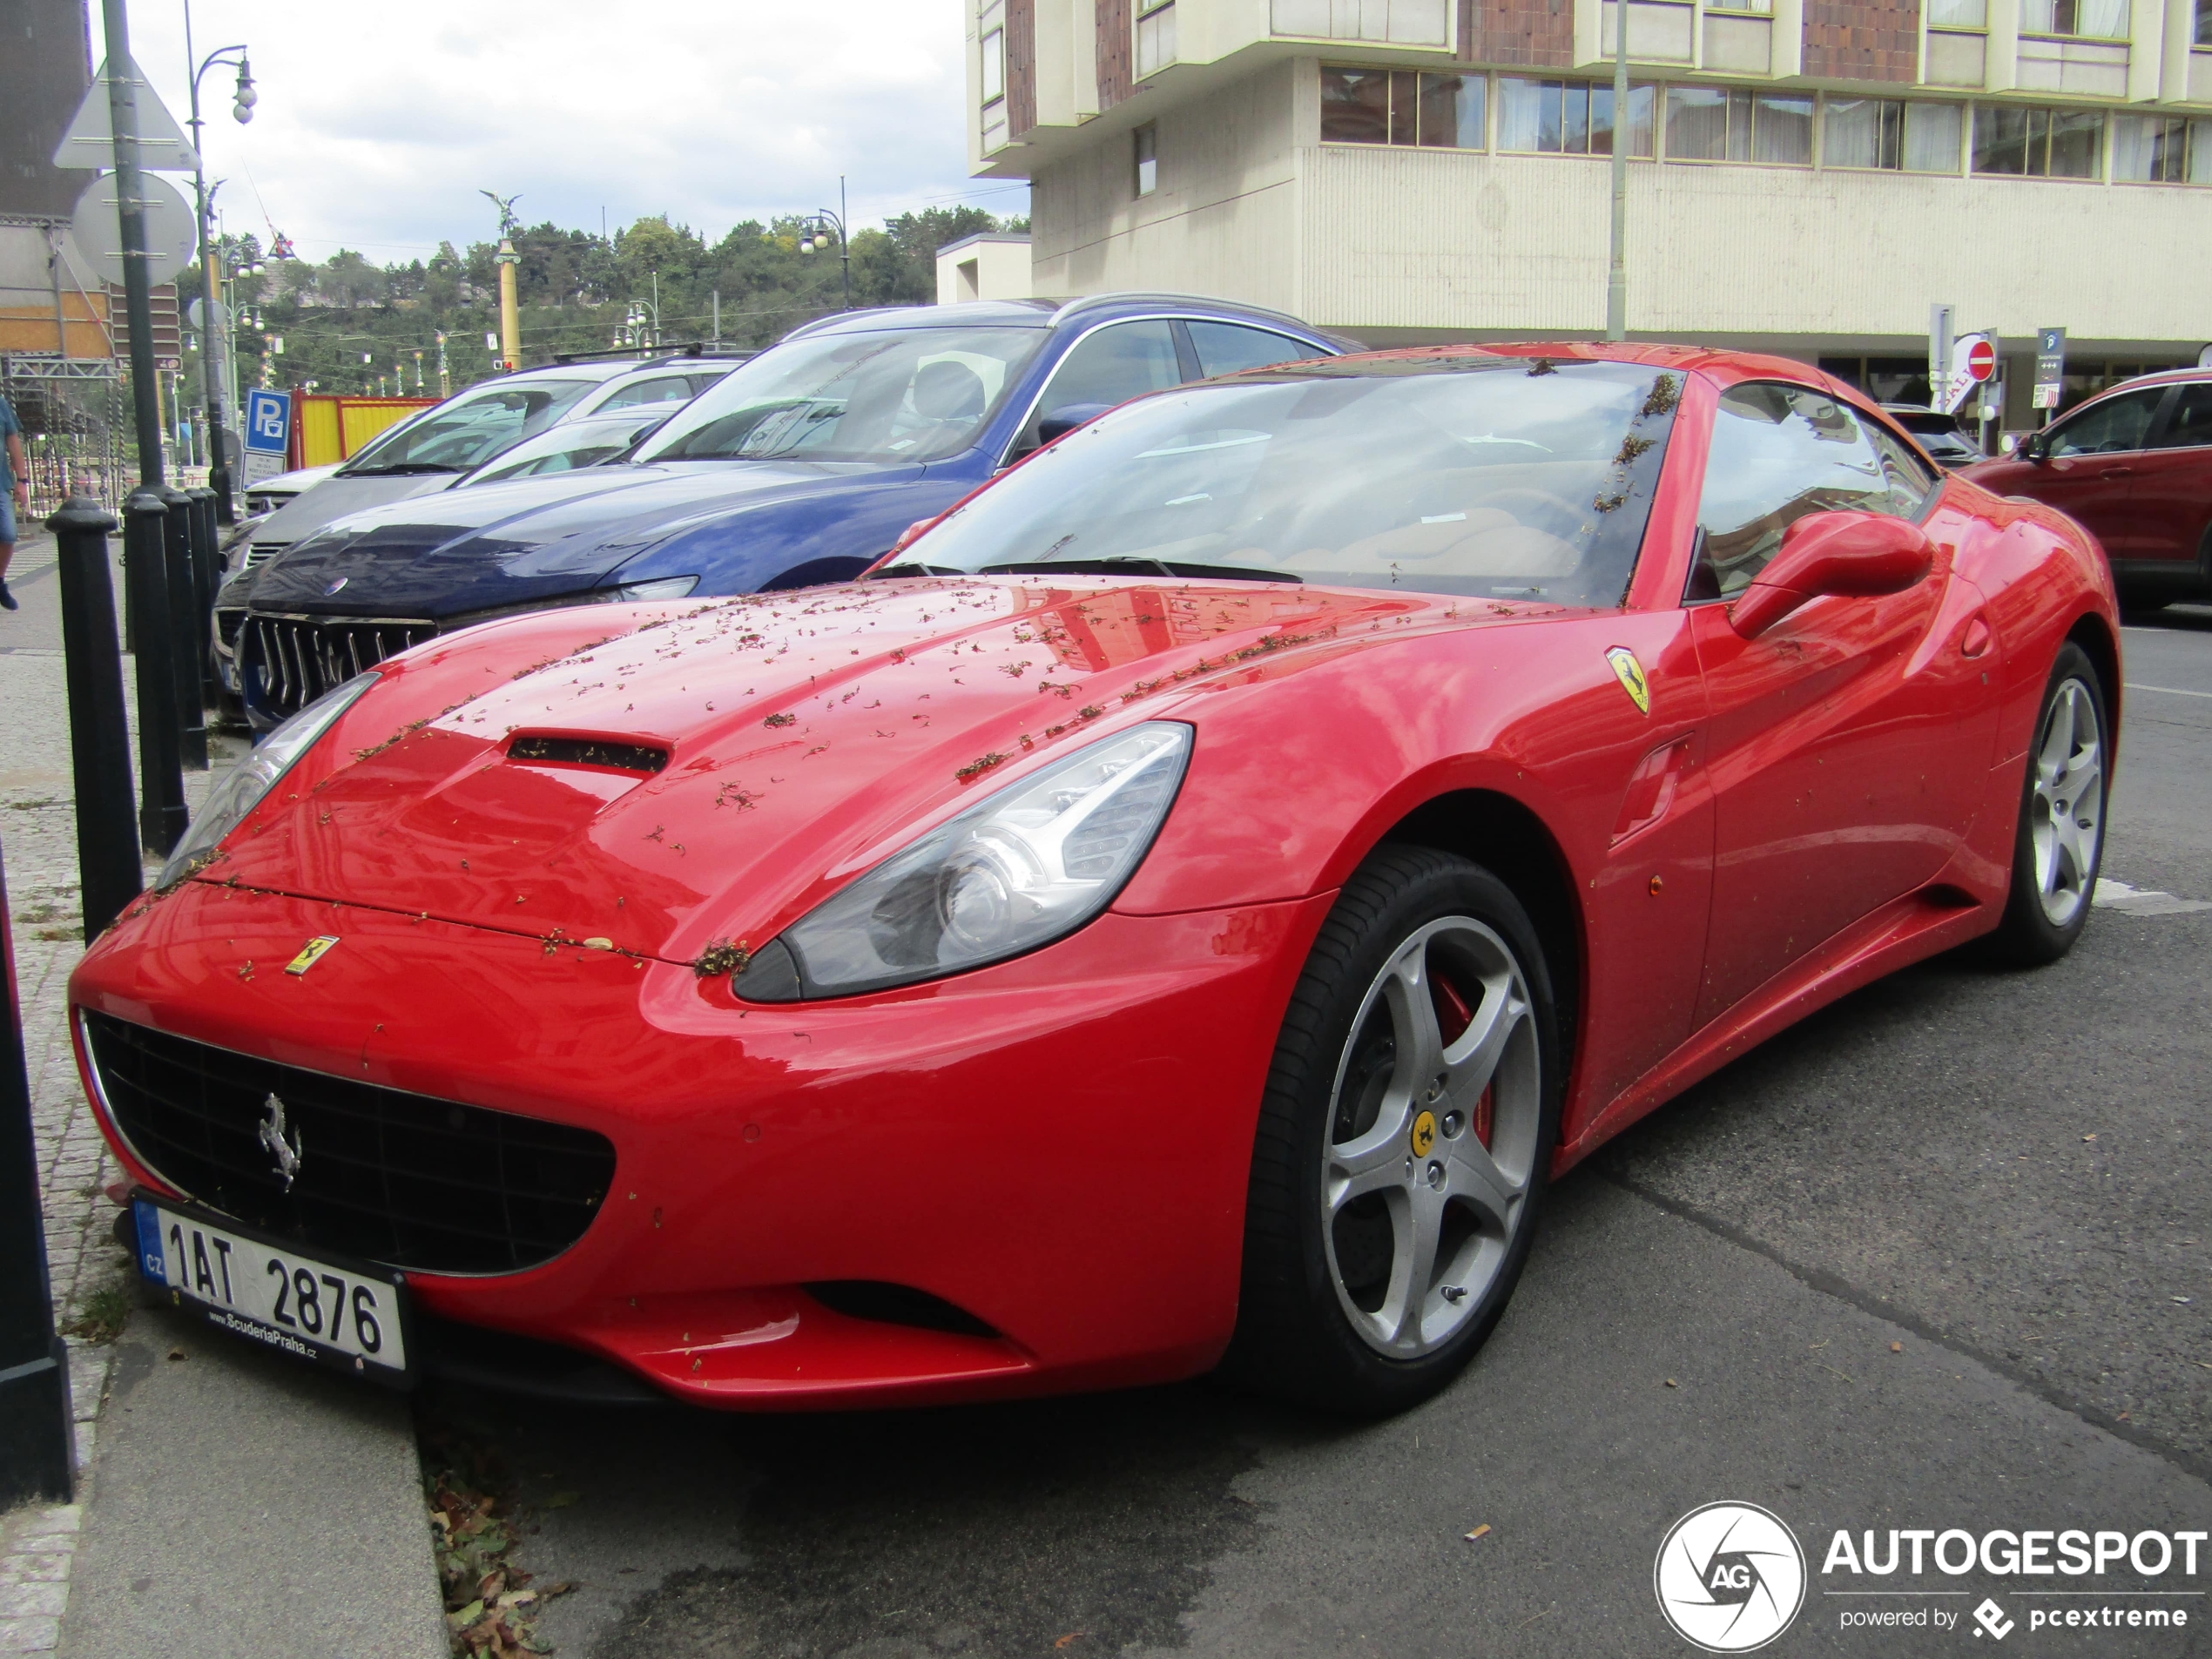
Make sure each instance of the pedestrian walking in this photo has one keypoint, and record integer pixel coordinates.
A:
(14, 486)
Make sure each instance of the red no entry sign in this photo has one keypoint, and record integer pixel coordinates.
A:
(1981, 361)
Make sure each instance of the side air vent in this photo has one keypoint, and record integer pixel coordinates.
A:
(870, 1298)
(612, 753)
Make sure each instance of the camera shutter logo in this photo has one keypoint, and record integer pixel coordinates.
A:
(1729, 1577)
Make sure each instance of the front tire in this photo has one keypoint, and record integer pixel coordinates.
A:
(1406, 1134)
(2060, 846)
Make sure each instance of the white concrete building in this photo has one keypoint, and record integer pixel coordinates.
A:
(990, 265)
(1809, 176)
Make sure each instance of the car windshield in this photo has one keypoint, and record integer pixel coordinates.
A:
(889, 394)
(468, 429)
(563, 449)
(1507, 477)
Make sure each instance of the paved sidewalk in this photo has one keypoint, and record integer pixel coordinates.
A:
(293, 1482)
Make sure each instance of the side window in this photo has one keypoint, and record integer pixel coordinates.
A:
(672, 388)
(1778, 452)
(1224, 347)
(1119, 363)
(2116, 425)
(2189, 427)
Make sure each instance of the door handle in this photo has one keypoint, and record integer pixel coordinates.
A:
(1973, 640)
(2117, 472)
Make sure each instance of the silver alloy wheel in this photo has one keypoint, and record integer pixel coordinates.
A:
(2066, 810)
(1417, 1213)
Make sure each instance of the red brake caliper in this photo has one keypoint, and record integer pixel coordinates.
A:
(1454, 1015)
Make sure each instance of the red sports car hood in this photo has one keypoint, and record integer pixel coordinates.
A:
(713, 773)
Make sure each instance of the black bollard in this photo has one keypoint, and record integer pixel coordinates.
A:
(99, 738)
(161, 782)
(38, 1444)
(207, 575)
(186, 628)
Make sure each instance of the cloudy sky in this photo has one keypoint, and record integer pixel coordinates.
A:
(379, 124)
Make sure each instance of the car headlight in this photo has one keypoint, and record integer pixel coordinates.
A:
(242, 788)
(669, 587)
(1032, 863)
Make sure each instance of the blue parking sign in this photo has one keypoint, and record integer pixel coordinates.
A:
(268, 420)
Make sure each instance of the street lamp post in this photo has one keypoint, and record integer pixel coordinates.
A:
(219, 470)
(822, 228)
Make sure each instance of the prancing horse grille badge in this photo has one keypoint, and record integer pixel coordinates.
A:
(288, 1154)
(310, 953)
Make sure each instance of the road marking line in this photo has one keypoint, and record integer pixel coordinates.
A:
(2136, 901)
(2170, 691)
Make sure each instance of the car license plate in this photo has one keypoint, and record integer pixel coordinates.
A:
(346, 1314)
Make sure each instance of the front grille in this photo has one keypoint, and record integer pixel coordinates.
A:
(397, 1178)
(259, 553)
(289, 662)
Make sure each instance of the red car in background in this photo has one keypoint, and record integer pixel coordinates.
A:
(1177, 912)
(2134, 467)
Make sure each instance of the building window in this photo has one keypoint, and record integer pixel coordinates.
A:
(994, 65)
(2161, 150)
(2203, 23)
(2038, 144)
(1958, 14)
(1720, 124)
(1399, 106)
(1761, 6)
(1568, 117)
(1148, 157)
(1892, 134)
(1155, 36)
(2101, 19)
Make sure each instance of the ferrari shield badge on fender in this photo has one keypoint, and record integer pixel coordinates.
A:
(310, 953)
(1631, 672)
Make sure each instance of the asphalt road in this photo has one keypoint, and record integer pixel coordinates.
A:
(1940, 1257)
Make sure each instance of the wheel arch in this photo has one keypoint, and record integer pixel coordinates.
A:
(1510, 840)
(2096, 640)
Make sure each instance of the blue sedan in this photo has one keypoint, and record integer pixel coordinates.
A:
(803, 466)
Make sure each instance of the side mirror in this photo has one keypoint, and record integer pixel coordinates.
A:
(912, 534)
(2035, 448)
(1848, 554)
(1065, 419)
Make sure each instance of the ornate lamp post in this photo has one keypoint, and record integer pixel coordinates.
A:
(244, 98)
(822, 229)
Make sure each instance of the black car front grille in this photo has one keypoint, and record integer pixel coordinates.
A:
(395, 1178)
(285, 663)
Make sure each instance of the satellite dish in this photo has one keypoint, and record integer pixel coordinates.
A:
(169, 234)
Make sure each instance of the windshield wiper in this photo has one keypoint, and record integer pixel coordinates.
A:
(1119, 563)
(398, 467)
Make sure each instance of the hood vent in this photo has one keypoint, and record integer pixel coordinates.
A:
(611, 754)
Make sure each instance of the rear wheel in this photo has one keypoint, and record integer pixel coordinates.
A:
(1408, 1125)
(2059, 845)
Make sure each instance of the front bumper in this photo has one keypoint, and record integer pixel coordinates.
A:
(1057, 1146)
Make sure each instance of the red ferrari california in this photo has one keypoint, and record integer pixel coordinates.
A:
(1176, 913)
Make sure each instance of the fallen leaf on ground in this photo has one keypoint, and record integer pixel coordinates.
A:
(1071, 1637)
(176, 1353)
(1671, 1383)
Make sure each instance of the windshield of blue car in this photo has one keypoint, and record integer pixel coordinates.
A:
(565, 447)
(466, 431)
(889, 394)
(1519, 478)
